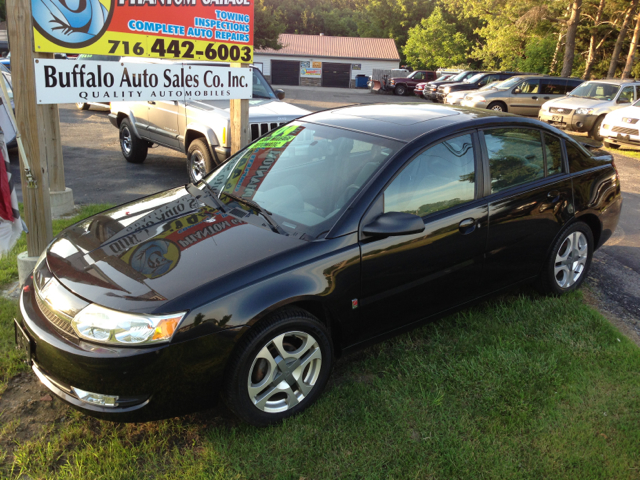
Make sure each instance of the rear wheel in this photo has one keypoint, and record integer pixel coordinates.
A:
(569, 261)
(498, 107)
(134, 149)
(400, 90)
(611, 145)
(279, 368)
(199, 160)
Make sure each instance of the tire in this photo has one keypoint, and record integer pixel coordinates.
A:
(595, 130)
(134, 149)
(567, 267)
(253, 387)
(199, 160)
(613, 146)
(498, 107)
(82, 106)
(400, 90)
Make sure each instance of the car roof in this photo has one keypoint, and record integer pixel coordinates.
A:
(404, 121)
(614, 81)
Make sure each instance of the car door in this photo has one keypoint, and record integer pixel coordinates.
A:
(530, 199)
(525, 99)
(411, 277)
(162, 117)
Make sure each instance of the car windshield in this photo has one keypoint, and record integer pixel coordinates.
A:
(475, 78)
(261, 88)
(459, 77)
(595, 90)
(512, 82)
(7, 77)
(492, 85)
(304, 174)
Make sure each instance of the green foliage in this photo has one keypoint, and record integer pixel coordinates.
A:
(268, 25)
(434, 43)
(538, 54)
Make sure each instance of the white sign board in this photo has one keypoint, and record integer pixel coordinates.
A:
(69, 81)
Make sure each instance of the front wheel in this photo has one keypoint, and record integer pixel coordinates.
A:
(569, 261)
(497, 107)
(279, 368)
(595, 130)
(199, 160)
(400, 90)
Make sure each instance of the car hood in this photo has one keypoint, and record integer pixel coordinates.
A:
(141, 255)
(625, 112)
(579, 102)
(468, 86)
(259, 109)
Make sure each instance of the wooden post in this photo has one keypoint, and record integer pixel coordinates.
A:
(53, 141)
(240, 135)
(37, 207)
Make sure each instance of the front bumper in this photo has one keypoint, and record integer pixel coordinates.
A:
(222, 153)
(429, 95)
(440, 97)
(152, 383)
(418, 93)
(572, 122)
(473, 104)
(620, 139)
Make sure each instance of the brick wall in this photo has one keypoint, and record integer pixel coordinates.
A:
(310, 82)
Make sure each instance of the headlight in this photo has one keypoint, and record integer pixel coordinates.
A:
(584, 111)
(447, 89)
(392, 82)
(100, 324)
(477, 99)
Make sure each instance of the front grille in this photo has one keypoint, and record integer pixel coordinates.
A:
(626, 131)
(632, 121)
(58, 322)
(564, 111)
(260, 129)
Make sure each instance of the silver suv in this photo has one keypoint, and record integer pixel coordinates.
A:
(584, 109)
(199, 128)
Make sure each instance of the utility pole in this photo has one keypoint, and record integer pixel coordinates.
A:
(30, 123)
(240, 136)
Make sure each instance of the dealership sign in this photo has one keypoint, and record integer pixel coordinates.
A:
(215, 30)
(67, 81)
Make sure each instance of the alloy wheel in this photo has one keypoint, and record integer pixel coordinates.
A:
(125, 140)
(571, 259)
(284, 372)
(198, 166)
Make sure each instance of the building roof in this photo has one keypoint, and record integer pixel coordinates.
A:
(344, 47)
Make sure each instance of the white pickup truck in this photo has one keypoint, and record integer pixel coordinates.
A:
(199, 128)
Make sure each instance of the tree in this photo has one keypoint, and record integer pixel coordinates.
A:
(592, 41)
(621, 36)
(570, 45)
(268, 26)
(434, 43)
(632, 51)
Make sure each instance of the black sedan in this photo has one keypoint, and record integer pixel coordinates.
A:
(327, 234)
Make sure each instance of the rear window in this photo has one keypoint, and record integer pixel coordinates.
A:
(580, 159)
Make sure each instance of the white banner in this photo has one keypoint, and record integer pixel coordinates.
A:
(72, 81)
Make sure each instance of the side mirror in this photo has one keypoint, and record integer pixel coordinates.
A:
(280, 94)
(517, 90)
(394, 224)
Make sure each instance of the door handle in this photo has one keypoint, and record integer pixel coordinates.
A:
(151, 102)
(467, 225)
(535, 98)
(546, 98)
(553, 194)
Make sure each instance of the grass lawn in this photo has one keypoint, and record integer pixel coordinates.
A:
(521, 386)
(626, 153)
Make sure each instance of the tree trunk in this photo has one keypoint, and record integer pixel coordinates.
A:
(623, 33)
(592, 43)
(570, 45)
(554, 62)
(632, 51)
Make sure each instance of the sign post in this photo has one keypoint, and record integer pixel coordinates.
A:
(239, 121)
(31, 124)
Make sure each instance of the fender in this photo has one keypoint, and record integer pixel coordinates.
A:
(127, 112)
(205, 130)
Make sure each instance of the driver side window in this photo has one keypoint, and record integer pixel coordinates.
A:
(441, 177)
(626, 96)
(530, 86)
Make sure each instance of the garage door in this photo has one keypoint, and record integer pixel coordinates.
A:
(285, 73)
(336, 74)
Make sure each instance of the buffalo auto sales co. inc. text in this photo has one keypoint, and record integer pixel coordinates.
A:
(205, 84)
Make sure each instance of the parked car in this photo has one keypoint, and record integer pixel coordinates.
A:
(456, 98)
(83, 57)
(584, 109)
(330, 233)
(419, 90)
(199, 128)
(404, 85)
(429, 92)
(523, 94)
(6, 61)
(620, 127)
(474, 82)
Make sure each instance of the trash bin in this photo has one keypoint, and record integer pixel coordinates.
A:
(361, 81)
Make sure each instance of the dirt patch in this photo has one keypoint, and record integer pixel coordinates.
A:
(26, 408)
